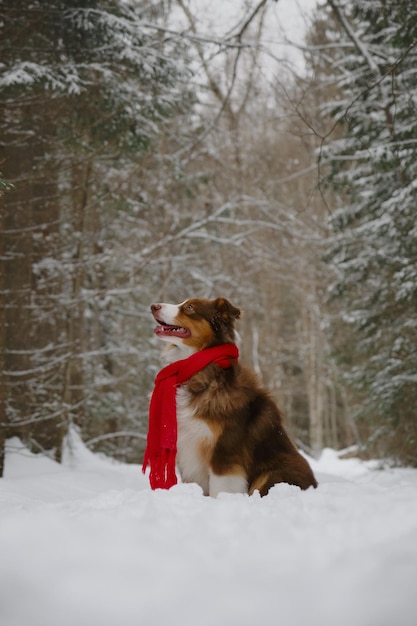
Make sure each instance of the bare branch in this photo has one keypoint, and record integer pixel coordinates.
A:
(250, 19)
(213, 84)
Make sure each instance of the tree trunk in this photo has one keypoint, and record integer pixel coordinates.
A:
(31, 284)
(73, 392)
(314, 374)
(2, 345)
(16, 287)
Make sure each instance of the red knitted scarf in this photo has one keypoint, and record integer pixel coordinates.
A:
(161, 448)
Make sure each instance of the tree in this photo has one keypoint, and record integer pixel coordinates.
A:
(129, 191)
(84, 86)
(371, 58)
(259, 161)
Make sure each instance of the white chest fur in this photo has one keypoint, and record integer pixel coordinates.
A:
(193, 434)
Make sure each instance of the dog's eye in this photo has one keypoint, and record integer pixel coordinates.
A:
(189, 308)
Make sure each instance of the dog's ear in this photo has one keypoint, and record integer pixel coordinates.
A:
(225, 311)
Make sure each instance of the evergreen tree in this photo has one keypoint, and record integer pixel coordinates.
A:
(373, 167)
(84, 87)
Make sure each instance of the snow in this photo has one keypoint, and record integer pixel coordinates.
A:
(88, 543)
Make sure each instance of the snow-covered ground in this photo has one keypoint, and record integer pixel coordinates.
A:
(88, 543)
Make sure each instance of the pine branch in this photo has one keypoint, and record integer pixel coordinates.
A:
(353, 37)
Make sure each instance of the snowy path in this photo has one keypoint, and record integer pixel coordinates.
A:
(88, 544)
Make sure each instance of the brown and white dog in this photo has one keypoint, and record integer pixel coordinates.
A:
(231, 436)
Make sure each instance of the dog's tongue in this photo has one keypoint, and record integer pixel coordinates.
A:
(166, 330)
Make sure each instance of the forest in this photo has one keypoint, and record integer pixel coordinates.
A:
(146, 157)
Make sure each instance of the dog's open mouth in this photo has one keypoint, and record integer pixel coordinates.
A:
(168, 330)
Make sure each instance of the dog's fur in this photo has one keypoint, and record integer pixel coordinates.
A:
(230, 432)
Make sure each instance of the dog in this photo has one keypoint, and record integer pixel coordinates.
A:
(231, 436)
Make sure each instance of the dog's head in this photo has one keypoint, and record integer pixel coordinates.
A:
(196, 323)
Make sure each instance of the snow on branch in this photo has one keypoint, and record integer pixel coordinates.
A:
(362, 49)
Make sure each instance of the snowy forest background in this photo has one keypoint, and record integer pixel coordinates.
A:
(145, 157)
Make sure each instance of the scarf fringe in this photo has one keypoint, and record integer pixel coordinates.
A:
(162, 474)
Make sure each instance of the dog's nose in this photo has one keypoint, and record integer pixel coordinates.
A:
(155, 307)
